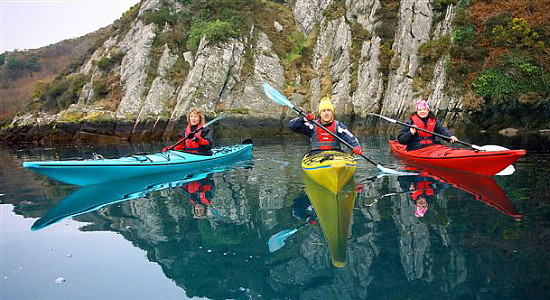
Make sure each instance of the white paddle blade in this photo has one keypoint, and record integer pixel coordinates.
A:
(491, 148)
(509, 170)
(394, 172)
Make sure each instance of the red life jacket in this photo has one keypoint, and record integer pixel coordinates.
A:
(189, 145)
(422, 187)
(322, 140)
(199, 190)
(425, 138)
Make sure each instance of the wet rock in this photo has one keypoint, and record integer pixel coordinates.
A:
(509, 132)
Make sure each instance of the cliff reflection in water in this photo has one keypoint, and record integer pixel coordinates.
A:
(219, 251)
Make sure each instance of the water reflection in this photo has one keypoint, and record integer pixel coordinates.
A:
(431, 181)
(334, 212)
(199, 188)
(459, 246)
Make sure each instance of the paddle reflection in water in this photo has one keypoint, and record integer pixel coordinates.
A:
(94, 197)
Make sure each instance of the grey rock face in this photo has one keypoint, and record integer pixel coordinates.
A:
(133, 68)
(162, 91)
(413, 29)
(215, 70)
(331, 59)
(307, 13)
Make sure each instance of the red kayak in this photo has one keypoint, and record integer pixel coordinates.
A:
(484, 188)
(486, 163)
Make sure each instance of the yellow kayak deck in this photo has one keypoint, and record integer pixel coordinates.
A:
(330, 169)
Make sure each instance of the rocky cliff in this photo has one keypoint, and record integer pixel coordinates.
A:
(368, 55)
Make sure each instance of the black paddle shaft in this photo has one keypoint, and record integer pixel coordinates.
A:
(341, 140)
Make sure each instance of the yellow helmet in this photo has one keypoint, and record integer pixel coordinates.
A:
(325, 104)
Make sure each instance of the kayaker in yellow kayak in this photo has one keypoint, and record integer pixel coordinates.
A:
(191, 141)
(425, 119)
(320, 139)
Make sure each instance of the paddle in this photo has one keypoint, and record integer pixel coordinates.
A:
(482, 148)
(219, 117)
(274, 95)
(277, 241)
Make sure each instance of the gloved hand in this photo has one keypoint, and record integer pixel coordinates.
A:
(165, 148)
(309, 117)
(200, 140)
(190, 136)
(357, 150)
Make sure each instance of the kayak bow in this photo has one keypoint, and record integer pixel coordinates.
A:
(330, 169)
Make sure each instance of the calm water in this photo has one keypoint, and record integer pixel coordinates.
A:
(480, 238)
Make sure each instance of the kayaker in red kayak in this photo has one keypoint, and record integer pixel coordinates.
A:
(425, 119)
(196, 143)
(320, 139)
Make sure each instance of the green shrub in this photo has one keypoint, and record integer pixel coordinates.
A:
(298, 40)
(517, 33)
(441, 5)
(106, 63)
(159, 17)
(463, 34)
(219, 31)
(335, 10)
(433, 50)
(59, 94)
(512, 78)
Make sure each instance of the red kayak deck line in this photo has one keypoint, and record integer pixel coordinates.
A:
(486, 163)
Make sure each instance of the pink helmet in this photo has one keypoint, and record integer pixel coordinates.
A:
(421, 104)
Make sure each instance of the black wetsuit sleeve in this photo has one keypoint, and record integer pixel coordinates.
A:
(207, 134)
(299, 126)
(405, 137)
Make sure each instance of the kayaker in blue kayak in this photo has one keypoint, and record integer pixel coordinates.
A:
(194, 139)
(425, 119)
(320, 139)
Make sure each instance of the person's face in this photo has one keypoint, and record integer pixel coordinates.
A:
(194, 119)
(422, 112)
(199, 210)
(421, 203)
(327, 115)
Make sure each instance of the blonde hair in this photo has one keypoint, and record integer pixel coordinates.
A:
(198, 113)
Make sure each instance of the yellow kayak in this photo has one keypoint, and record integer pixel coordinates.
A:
(334, 212)
(330, 169)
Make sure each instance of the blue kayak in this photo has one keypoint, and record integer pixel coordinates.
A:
(96, 171)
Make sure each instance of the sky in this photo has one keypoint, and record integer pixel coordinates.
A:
(31, 24)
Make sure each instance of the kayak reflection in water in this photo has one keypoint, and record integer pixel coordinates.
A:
(422, 191)
(200, 194)
(425, 119)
